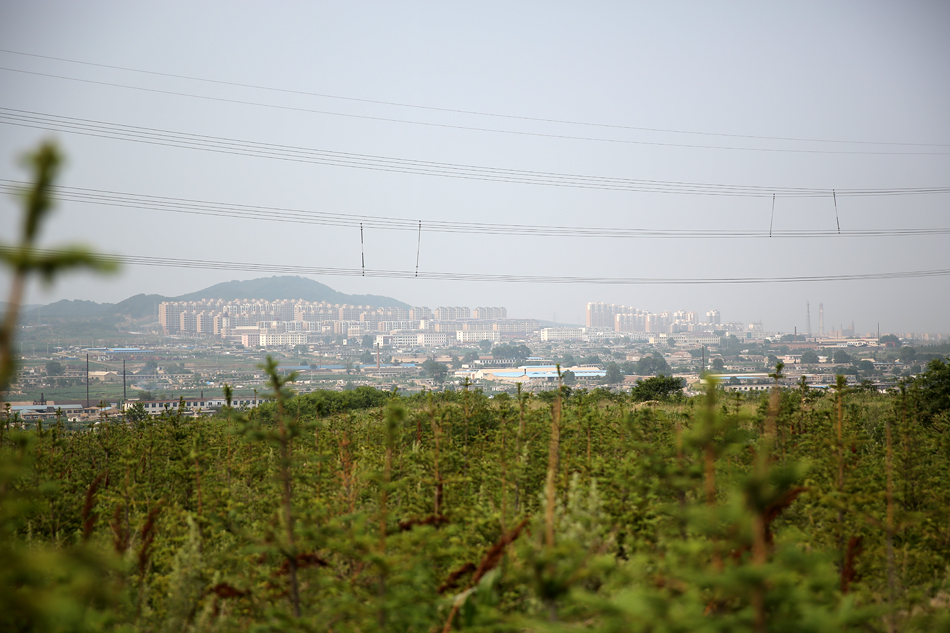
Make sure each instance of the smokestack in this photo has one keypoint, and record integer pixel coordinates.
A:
(821, 319)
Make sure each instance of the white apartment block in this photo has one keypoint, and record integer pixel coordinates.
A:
(562, 333)
(464, 336)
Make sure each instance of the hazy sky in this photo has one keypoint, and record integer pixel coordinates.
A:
(702, 78)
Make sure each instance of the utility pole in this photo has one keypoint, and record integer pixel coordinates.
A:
(87, 381)
(377, 356)
(123, 382)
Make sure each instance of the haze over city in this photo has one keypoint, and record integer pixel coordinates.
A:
(682, 119)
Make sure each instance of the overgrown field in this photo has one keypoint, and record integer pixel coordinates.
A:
(802, 511)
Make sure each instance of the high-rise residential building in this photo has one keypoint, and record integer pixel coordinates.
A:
(713, 317)
(451, 313)
(420, 313)
(490, 313)
(168, 316)
(601, 315)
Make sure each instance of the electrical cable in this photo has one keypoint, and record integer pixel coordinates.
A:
(154, 136)
(472, 128)
(466, 112)
(322, 218)
(195, 264)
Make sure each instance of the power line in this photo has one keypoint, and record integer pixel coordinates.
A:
(196, 264)
(322, 218)
(467, 112)
(167, 138)
(470, 128)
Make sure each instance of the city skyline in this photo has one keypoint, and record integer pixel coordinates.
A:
(754, 160)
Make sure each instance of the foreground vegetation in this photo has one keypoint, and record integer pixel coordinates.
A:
(362, 511)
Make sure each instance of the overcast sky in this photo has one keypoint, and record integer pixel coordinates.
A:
(707, 93)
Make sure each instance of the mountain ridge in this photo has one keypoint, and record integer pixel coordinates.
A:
(265, 288)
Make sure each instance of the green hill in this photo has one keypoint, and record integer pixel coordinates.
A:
(265, 288)
(287, 287)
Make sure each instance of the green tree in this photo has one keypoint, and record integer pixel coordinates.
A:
(485, 345)
(657, 388)
(54, 368)
(907, 354)
(652, 365)
(614, 375)
(810, 357)
(568, 377)
(889, 338)
(841, 356)
(136, 413)
(435, 370)
(718, 365)
(368, 341)
(470, 356)
(511, 351)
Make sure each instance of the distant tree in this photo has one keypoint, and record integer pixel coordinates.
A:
(54, 368)
(435, 370)
(772, 359)
(841, 356)
(146, 395)
(652, 365)
(670, 342)
(866, 367)
(470, 356)
(628, 367)
(889, 338)
(367, 358)
(485, 345)
(511, 351)
(614, 375)
(368, 341)
(657, 388)
(591, 360)
(908, 354)
(810, 357)
(568, 377)
(136, 413)
(568, 360)
(456, 363)
(718, 365)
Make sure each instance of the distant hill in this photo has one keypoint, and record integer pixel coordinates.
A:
(67, 308)
(266, 288)
(288, 287)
